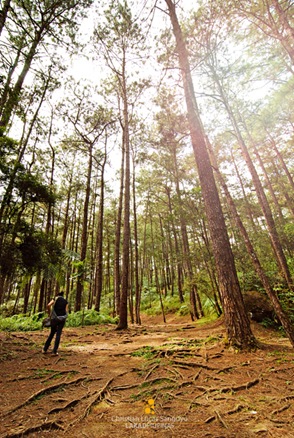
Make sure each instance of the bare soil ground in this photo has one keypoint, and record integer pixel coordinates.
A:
(188, 384)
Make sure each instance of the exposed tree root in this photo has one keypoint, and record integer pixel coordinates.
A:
(220, 419)
(151, 371)
(96, 397)
(238, 408)
(45, 391)
(225, 370)
(282, 409)
(194, 365)
(44, 426)
(237, 388)
(197, 375)
(52, 376)
(175, 372)
(234, 388)
(69, 405)
(217, 415)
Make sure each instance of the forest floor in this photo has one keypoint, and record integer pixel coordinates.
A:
(155, 380)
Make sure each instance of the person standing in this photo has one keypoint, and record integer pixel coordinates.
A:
(60, 306)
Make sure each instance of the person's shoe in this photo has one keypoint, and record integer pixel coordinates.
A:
(55, 353)
(44, 351)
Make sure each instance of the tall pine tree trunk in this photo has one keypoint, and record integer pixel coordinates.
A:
(236, 320)
(123, 308)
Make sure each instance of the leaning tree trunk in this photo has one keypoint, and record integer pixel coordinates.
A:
(283, 317)
(271, 226)
(236, 320)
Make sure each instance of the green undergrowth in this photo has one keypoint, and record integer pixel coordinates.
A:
(151, 305)
(147, 352)
(25, 323)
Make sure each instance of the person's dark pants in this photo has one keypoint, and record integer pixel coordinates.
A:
(56, 327)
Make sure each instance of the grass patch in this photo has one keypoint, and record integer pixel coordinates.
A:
(146, 352)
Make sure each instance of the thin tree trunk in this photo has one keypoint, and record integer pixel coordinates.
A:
(136, 250)
(177, 249)
(84, 237)
(244, 195)
(99, 241)
(117, 266)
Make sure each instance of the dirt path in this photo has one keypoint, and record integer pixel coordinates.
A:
(174, 380)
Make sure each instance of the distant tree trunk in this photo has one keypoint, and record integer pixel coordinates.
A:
(99, 239)
(159, 292)
(84, 237)
(283, 317)
(196, 307)
(13, 97)
(177, 250)
(66, 213)
(136, 251)
(271, 226)
(42, 296)
(23, 145)
(7, 85)
(285, 192)
(117, 265)
(266, 177)
(244, 194)
(131, 285)
(236, 320)
(286, 37)
(283, 164)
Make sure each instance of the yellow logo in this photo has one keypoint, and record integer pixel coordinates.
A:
(149, 407)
